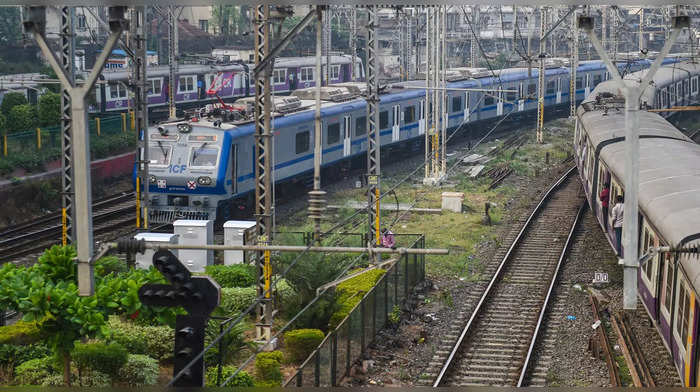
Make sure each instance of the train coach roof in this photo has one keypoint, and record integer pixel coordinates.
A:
(183, 69)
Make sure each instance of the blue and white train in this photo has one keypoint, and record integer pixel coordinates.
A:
(203, 167)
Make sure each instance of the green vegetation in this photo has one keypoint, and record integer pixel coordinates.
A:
(139, 370)
(350, 292)
(237, 275)
(236, 299)
(267, 369)
(20, 333)
(101, 357)
(11, 100)
(300, 343)
(242, 379)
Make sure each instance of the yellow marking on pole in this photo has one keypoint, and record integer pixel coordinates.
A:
(97, 123)
(133, 120)
(138, 202)
(376, 216)
(64, 227)
(38, 138)
(124, 122)
(267, 269)
(689, 343)
(145, 217)
(4, 144)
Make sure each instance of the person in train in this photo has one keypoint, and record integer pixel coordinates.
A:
(604, 199)
(617, 217)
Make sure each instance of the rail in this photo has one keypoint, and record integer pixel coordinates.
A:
(453, 353)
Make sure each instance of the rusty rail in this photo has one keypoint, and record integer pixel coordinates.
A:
(605, 343)
(641, 376)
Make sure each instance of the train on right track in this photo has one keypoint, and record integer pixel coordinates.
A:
(669, 197)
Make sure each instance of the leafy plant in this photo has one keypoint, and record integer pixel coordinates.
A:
(268, 369)
(237, 275)
(11, 100)
(395, 315)
(350, 293)
(101, 357)
(110, 265)
(20, 333)
(34, 371)
(155, 341)
(21, 117)
(242, 379)
(236, 299)
(233, 342)
(300, 343)
(139, 370)
(58, 263)
(49, 109)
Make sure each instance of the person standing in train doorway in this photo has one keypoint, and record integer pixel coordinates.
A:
(617, 217)
(604, 199)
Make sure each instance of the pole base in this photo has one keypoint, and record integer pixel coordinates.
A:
(267, 346)
(434, 181)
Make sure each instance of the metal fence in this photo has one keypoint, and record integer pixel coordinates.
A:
(332, 360)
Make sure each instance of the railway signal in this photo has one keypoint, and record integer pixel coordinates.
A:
(199, 296)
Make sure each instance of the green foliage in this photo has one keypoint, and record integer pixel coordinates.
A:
(3, 124)
(268, 369)
(58, 263)
(20, 333)
(34, 371)
(139, 370)
(155, 341)
(236, 299)
(101, 357)
(110, 264)
(300, 343)
(49, 109)
(237, 275)
(22, 118)
(92, 378)
(11, 100)
(395, 315)
(350, 293)
(11, 354)
(233, 342)
(10, 26)
(242, 379)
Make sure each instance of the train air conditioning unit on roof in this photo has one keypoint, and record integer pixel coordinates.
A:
(328, 93)
(287, 104)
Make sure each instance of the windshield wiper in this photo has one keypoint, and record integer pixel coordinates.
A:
(162, 149)
(196, 152)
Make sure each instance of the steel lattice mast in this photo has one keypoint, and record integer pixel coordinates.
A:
(67, 60)
(172, 60)
(137, 43)
(574, 64)
(373, 141)
(540, 77)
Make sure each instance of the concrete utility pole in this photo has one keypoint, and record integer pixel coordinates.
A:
(540, 77)
(36, 25)
(263, 174)
(139, 63)
(574, 65)
(641, 30)
(473, 38)
(353, 43)
(435, 164)
(604, 28)
(327, 42)
(67, 62)
(428, 78)
(172, 60)
(373, 137)
(316, 200)
(632, 92)
(442, 60)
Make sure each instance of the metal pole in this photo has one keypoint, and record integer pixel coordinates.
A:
(327, 42)
(428, 59)
(373, 137)
(442, 60)
(540, 77)
(604, 28)
(641, 30)
(172, 60)
(476, 19)
(137, 43)
(436, 97)
(263, 173)
(353, 43)
(67, 60)
(316, 195)
(574, 65)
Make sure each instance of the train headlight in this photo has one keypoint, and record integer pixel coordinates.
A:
(204, 180)
(184, 128)
(153, 179)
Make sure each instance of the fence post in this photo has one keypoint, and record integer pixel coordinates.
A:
(123, 122)
(38, 138)
(317, 370)
(374, 314)
(405, 276)
(386, 295)
(133, 120)
(334, 359)
(362, 336)
(4, 144)
(97, 124)
(348, 353)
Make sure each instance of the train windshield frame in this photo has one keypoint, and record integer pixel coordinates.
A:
(159, 154)
(204, 156)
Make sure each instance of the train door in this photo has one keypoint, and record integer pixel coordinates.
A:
(421, 117)
(588, 84)
(521, 99)
(348, 135)
(466, 106)
(234, 168)
(499, 104)
(395, 128)
(558, 91)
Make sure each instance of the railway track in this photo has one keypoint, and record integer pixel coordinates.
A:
(496, 345)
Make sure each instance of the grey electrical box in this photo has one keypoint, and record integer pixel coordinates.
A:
(236, 233)
(145, 260)
(195, 232)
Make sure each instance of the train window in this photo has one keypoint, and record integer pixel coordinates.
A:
(457, 104)
(511, 96)
(361, 126)
(672, 94)
(117, 91)
(686, 87)
(307, 74)
(489, 100)
(159, 154)
(384, 120)
(303, 142)
(531, 89)
(648, 240)
(335, 71)
(186, 84)
(679, 91)
(409, 114)
(694, 85)
(551, 87)
(579, 82)
(333, 134)
(683, 313)
(596, 80)
(204, 156)
(668, 279)
(154, 86)
(279, 76)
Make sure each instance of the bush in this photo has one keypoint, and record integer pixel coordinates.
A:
(101, 357)
(139, 370)
(11, 354)
(58, 263)
(155, 341)
(34, 371)
(300, 343)
(237, 275)
(236, 299)
(233, 342)
(22, 118)
(11, 100)
(350, 292)
(94, 379)
(110, 264)
(49, 109)
(20, 333)
(242, 379)
(267, 368)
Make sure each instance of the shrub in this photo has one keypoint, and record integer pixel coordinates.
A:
(34, 371)
(233, 342)
(49, 109)
(237, 275)
(110, 264)
(236, 299)
(21, 118)
(350, 292)
(267, 368)
(58, 263)
(11, 354)
(105, 358)
(300, 343)
(20, 333)
(139, 370)
(11, 100)
(242, 379)
(155, 341)
(95, 379)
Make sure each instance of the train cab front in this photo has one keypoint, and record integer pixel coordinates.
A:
(187, 171)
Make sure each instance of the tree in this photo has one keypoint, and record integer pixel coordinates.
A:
(3, 123)
(49, 110)
(22, 118)
(11, 100)
(10, 30)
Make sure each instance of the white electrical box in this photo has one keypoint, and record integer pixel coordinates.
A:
(195, 232)
(235, 234)
(145, 260)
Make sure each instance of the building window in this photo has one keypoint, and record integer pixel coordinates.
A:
(82, 22)
(204, 25)
(409, 114)
(279, 76)
(647, 242)
(117, 91)
(186, 84)
(307, 74)
(361, 126)
(333, 134)
(683, 313)
(457, 104)
(383, 120)
(302, 142)
(159, 155)
(154, 87)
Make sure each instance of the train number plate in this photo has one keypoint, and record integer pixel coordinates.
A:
(600, 277)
